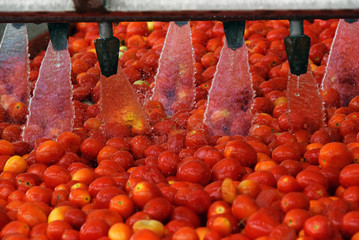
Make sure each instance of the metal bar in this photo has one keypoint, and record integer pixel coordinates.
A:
(165, 10)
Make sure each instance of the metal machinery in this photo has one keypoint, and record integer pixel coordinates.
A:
(64, 11)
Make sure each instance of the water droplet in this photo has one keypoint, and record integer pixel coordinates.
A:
(297, 94)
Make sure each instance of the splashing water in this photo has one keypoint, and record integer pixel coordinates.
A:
(14, 66)
(175, 75)
(230, 98)
(51, 111)
(306, 109)
(342, 71)
(120, 105)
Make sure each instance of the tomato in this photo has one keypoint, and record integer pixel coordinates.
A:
(120, 231)
(15, 227)
(104, 196)
(185, 233)
(55, 229)
(349, 175)
(243, 207)
(144, 234)
(56, 175)
(158, 208)
(194, 171)
(227, 168)
(217, 208)
(49, 152)
(262, 177)
(75, 217)
(17, 111)
(318, 227)
(199, 200)
(123, 205)
(143, 192)
(241, 151)
(294, 200)
(288, 183)
(335, 154)
(93, 229)
(167, 162)
(260, 224)
(296, 218)
(185, 214)
(308, 177)
(223, 225)
(100, 183)
(37, 193)
(349, 224)
(31, 214)
(249, 187)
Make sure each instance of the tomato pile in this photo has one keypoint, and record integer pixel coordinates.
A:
(178, 182)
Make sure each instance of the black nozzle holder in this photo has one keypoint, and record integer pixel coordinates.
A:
(297, 47)
(234, 32)
(350, 20)
(58, 35)
(181, 23)
(107, 47)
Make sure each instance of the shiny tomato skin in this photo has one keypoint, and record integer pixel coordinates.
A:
(262, 177)
(75, 217)
(158, 208)
(104, 196)
(167, 162)
(93, 229)
(241, 151)
(349, 175)
(260, 224)
(143, 192)
(199, 200)
(318, 227)
(307, 177)
(296, 218)
(227, 168)
(349, 224)
(214, 190)
(55, 229)
(49, 152)
(56, 175)
(294, 200)
(186, 214)
(243, 207)
(335, 154)
(194, 171)
(100, 183)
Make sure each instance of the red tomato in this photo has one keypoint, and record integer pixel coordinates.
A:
(194, 171)
(260, 224)
(318, 227)
(349, 175)
(227, 168)
(294, 200)
(158, 208)
(143, 192)
(241, 151)
(296, 218)
(93, 229)
(56, 175)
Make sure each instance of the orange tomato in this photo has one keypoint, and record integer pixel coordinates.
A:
(122, 204)
(335, 154)
(31, 214)
(15, 164)
(120, 231)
